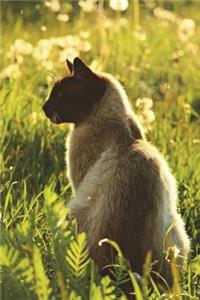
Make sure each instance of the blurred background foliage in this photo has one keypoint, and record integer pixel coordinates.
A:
(152, 47)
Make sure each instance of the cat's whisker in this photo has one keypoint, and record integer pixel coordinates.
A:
(54, 118)
(59, 119)
(52, 78)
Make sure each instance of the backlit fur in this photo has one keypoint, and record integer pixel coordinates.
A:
(123, 188)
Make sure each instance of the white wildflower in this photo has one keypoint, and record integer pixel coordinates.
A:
(186, 29)
(196, 141)
(140, 34)
(12, 71)
(69, 53)
(66, 41)
(22, 47)
(147, 115)
(84, 34)
(84, 46)
(108, 23)
(59, 41)
(63, 17)
(119, 5)
(123, 22)
(43, 28)
(164, 14)
(144, 103)
(53, 5)
(172, 253)
(72, 40)
(42, 49)
(87, 6)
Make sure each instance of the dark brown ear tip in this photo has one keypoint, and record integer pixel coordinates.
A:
(78, 61)
(70, 65)
(80, 66)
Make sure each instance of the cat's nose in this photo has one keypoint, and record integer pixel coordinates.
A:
(46, 109)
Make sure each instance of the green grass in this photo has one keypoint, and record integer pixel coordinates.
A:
(42, 256)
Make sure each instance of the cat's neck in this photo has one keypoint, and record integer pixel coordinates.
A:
(114, 110)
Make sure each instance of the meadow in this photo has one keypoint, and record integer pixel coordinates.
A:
(153, 48)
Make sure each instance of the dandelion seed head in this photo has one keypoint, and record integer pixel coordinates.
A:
(84, 46)
(42, 49)
(43, 28)
(123, 22)
(84, 34)
(140, 34)
(22, 47)
(88, 6)
(59, 41)
(53, 5)
(63, 17)
(70, 53)
(108, 23)
(11, 71)
(196, 141)
(149, 116)
(186, 29)
(165, 14)
(172, 253)
(144, 103)
(119, 5)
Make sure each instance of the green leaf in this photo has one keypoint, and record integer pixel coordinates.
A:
(77, 256)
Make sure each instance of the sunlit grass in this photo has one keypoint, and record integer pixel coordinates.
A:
(155, 54)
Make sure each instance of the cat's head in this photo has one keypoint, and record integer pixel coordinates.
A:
(73, 98)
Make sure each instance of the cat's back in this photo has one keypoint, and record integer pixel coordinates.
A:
(127, 169)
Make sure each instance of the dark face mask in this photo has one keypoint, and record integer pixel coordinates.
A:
(73, 98)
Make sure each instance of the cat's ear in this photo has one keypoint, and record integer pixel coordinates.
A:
(80, 67)
(70, 65)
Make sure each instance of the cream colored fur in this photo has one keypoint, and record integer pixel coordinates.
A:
(119, 180)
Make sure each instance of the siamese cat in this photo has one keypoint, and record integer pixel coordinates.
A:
(123, 189)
